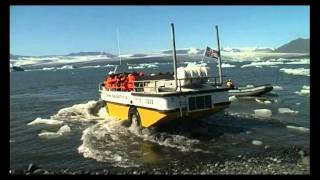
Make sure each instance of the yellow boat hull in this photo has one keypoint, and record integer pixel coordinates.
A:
(149, 117)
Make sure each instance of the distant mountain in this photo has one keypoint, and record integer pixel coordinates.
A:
(91, 54)
(296, 46)
(263, 50)
(230, 50)
(12, 56)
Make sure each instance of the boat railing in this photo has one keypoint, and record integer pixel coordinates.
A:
(167, 85)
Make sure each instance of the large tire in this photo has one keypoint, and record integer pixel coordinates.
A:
(134, 118)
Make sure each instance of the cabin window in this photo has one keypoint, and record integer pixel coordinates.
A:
(200, 102)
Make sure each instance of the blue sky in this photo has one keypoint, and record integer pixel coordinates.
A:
(49, 30)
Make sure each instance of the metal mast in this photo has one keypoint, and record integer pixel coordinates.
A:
(174, 55)
(219, 57)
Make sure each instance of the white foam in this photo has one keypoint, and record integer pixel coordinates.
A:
(296, 71)
(302, 129)
(109, 134)
(45, 121)
(277, 88)
(287, 111)
(262, 113)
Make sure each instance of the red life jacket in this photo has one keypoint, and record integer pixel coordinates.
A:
(131, 79)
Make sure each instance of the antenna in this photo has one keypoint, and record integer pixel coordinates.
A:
(115, 69)
(118, 45)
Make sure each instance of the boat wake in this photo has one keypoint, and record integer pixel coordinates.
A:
(108, 140)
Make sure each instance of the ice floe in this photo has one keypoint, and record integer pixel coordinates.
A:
(287, 111)
(277, 88)
(296, 71)
(262, 63)
(263, 101)
(304, 91)
(50, 135)
(262, 113)
(225, 65)
(45, 121)
(256, 142)
(302, 129)
(232, 98)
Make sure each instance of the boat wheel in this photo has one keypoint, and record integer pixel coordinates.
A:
(134, 118)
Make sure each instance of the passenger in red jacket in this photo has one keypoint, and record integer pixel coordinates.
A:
(131, 79)
(124, 82)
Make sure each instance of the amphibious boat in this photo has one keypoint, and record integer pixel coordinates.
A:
(188, 93)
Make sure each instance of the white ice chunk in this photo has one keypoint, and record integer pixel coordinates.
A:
(263, 113)
(225, 65)
(45, 121)
(304, 91)
(277, 88)
(232, 98)
(51, 135)
(297, 71)
(303, 129)
(287, 111)
(257, 142)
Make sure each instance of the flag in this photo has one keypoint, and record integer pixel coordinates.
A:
(211, 53)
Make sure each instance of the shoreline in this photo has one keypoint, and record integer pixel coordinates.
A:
(291, 160)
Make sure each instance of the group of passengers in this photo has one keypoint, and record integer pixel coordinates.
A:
(121, 82)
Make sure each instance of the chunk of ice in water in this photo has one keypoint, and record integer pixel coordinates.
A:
(303, 129)
(51, 135)
(287, 110)
(257, 142)
(277, 88)
(263, 113)
(64, 129)
(232, 98)
(45, 121)
(267, 102)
